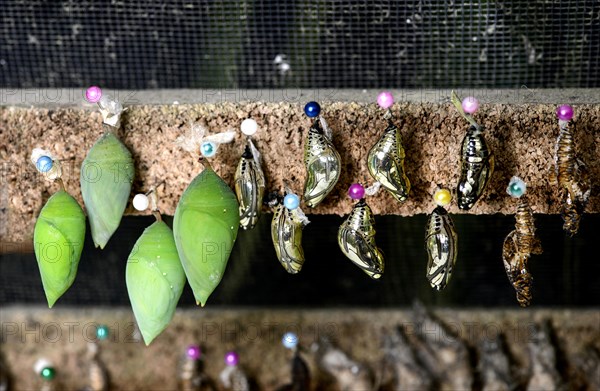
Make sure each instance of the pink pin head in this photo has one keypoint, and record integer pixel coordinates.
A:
(470, 105)
(385, 99)
(93, 94)
(231, 358)
(193, 352)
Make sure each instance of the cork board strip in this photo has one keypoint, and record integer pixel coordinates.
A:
(521, 136)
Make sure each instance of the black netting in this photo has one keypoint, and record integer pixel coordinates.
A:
(566, 274)
(306, 43)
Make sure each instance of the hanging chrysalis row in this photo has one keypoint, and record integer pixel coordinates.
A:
(209, 213)
(520, 244)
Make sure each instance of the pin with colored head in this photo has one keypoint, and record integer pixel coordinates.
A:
(231, 358)
(102, 332)
(385, 99)
(93, 94)
(564, 113)
(249, 127)
(466, 107)
(516, 187)
(442, 197)
(208, 148)
(470, 105)
(141, 202)
(356, 191)
(193, 352)
(46, 164)
(312, 109)
(45, 369)
(290, 340)
(110, 108)
(291, 201)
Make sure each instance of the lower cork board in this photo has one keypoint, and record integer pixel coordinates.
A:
(344, 350)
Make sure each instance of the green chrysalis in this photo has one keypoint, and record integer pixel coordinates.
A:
(155, 279)
(58, 241)
(205, 227)
(106, 177)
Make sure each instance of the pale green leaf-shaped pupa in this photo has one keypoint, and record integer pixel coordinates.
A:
(106, 177)
(58, 241)
(205, 227)
(155, 279)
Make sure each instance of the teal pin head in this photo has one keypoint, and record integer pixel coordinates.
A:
(516, 187)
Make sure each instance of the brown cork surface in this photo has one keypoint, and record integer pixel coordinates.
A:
(521, 136)
(61, 336)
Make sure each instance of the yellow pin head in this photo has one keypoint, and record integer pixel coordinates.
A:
(442, 197)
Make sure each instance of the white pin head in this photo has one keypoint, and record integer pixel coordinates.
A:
(141, 202)
(249, 127)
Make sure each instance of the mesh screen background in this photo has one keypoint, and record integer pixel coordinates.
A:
(306, 43)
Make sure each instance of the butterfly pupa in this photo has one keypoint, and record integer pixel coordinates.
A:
(356, 236)
(106, 174)
(441, 242)
(476, 158)
(386, 158)
(286, 232)
(249, 186)
(154, 277)
(570, 173)
(205, 227)
(520, 244)
(59, 233)
(321, 159)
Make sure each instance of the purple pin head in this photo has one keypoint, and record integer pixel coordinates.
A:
(231, 358)
(93, 94)
(470, 104)
(385, 99)
(564, 112)
(193, 352)
(356, 191)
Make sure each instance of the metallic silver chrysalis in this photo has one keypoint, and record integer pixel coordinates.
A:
(441, 242)
(477, 166)
(323, 165)
(356, 238)
(386, 163)
(249, 188)
(286, 233)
